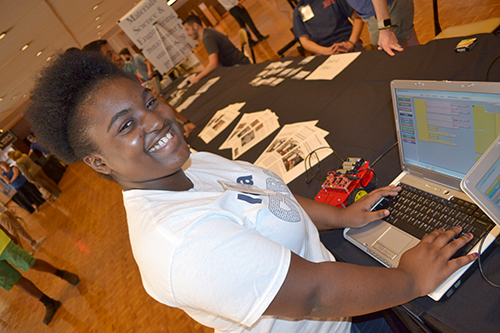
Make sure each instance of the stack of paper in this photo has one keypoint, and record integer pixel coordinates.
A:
(252, 128)
(220, 121)
(286, 155)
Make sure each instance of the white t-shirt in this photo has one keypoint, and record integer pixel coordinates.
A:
(222, 256)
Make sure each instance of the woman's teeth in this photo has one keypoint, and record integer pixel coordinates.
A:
(162, 142)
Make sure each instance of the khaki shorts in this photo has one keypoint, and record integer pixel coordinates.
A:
(18, 257)
(401, 13)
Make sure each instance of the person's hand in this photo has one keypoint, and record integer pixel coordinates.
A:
(194, 79)
(359, 213)
(342, 47)
(188, 128)
(387, 41)
(428, 264)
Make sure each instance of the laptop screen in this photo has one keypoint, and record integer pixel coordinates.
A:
(446, 131)
(489, 185)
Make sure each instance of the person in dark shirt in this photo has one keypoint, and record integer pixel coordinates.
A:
(324, 26)
(219, 48)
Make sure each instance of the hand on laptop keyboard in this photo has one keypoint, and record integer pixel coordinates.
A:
(429, 264)
(360, 212)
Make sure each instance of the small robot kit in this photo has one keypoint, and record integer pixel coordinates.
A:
(346, 185)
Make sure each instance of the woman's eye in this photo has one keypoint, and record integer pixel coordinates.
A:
(151, 104)
(125, 126)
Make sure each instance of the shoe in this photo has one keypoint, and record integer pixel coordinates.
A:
(71, 278)
(261, 38)
(252, 42)
(38, 243)
(50, 311)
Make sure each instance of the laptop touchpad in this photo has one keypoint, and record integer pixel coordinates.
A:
(392, 242)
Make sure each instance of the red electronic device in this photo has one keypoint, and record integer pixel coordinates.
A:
(346, 185)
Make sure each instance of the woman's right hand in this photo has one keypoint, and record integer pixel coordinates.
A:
(428, 264)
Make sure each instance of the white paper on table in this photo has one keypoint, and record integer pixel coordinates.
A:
(186, 103)
(256, 82)
(300, 75)
(263, 73)
(276, 82)
(332, 66)
(273, 65)
(285, 72)
(285, 63)
(255, 132)
(306, 60)
(294, 71)
(244, 125)
(220, 121)
(287, 153)
(207, 85)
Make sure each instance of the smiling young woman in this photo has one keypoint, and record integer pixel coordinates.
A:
(234, 259)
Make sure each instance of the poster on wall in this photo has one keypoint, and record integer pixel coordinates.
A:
(157, 31)
(6, 138)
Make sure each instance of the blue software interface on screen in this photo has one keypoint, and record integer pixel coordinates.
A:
(489, 185)
(446, 132)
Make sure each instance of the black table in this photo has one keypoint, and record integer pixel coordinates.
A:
(356, 109)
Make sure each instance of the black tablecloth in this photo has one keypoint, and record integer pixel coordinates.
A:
(356, 109)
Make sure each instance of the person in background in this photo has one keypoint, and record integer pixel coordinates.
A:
(11, 254)
(323, 27)
(11, 223)
(219, 48)
(34, 173)
(12, 176)
(389, 22)
(238, 258)
(36, 146)
(236, 9)
(143, 66)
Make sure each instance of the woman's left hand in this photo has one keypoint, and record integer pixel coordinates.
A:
(359, 213)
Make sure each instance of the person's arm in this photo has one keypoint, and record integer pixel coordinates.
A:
(334, 289)
(150, 68)
(313, 47)
(387, 40)
(15, 174)
(350, 44)
(213, 63)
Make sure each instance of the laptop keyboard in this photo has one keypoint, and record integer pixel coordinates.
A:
(418, 213)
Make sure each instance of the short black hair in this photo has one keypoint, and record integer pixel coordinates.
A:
(125, 51)
(58, 93)
(95, 46)
(192, 19)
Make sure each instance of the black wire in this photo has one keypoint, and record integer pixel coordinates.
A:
(489, 68)
(308, 157)
(481, 265)
(388, 150)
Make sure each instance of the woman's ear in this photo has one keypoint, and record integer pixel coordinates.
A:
(97, 164)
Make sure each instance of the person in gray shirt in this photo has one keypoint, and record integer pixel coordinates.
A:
(219, 48)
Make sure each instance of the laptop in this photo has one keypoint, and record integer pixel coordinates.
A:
(482, 183)
(442, 129)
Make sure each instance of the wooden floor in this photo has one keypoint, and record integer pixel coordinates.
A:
(86, 229)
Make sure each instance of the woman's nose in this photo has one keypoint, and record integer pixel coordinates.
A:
(153, 122)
